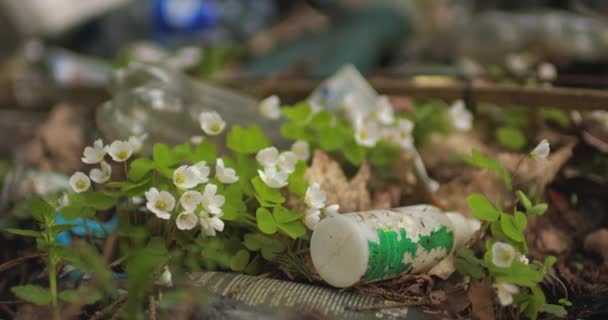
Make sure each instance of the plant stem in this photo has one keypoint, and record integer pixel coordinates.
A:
(53, 285)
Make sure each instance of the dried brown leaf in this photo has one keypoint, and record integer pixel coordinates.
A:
(597, 242)
(482, 303)
(352, 195)
(59, 142)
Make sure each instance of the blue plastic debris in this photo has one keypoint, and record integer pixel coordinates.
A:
(84, 227)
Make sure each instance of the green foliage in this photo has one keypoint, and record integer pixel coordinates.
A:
(269, 247)
(267, 196)
(511, 137)
(429, 118)
(298, 113)
(265, 221)
(467, 263)
(558, 116)
(247, 140)
(508, 228)
(480, 161)
(481, 208)
(240, 260)
(297, 184)
(34, 294)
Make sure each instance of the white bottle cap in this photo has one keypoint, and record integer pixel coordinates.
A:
(340, 251)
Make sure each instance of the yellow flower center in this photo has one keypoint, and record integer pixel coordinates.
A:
(215, 127)
(160, 204)
(81, 184)
(506, 255)
(363, 135)
(123, 154)
(179, 178)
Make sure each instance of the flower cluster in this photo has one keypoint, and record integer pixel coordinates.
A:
(379, 123)
(278, 166)
(315, 200)
(503, 255)
(119, 151)
(204, 208)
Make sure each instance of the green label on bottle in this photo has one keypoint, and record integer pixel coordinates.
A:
(395, 253)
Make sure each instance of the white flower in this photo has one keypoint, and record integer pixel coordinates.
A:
(367, 134)
(518, 63)
(160, 203)
(186, 177)
(461, 118)
(384, 111)
(137, 142)
(190, 200)
(287, 161)
(211, 201)
(331, 210)
(203, 171)
(503, 254)
(600, 116)
(541, 151)
(210, 223)
(165, 278)
(80, 182)
(312, 218)
(186, 220)
(268, 157)
(315, 197)
(212, 123)
(101, 175)
(523, 259)
(274, 178)
(269, 107)
(301, 149)
(120, 151)
(547, 71)
(94, 154)
(197, 139)
(505, 292)
(224, 175)
(401, 135)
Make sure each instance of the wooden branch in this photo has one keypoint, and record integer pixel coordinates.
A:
(502, 95)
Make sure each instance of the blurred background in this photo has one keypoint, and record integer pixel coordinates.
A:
(60, 88)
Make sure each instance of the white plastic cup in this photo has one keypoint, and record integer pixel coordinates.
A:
(369, 246)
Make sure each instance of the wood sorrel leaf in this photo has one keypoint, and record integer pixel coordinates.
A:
(509, 228)
(266, 194)
(297, 183)
(284, 215)
(204, 151)
(481, 208)
(511, 137)
(34, 294)
(297, 113)
(247, 140)
(354, 153)
(265, 221)
(162, 155)
(294, 229)
(239, 261)
(139, 168)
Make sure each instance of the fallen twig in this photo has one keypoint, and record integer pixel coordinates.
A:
(107, 309)
(152, 307)
(17, 261)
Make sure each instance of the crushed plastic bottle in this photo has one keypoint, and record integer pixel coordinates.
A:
(165, 104)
